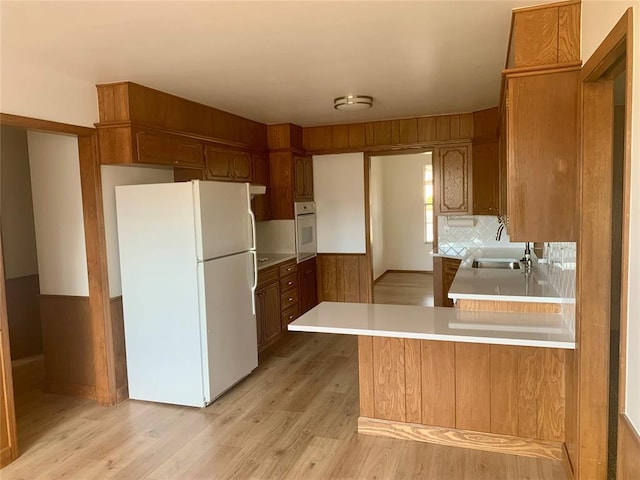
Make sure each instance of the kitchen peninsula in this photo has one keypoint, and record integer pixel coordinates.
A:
(487, 380)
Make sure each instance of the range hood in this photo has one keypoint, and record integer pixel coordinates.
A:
(257, 190)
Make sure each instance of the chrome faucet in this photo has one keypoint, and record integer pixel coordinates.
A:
(501, 224)
(526, 260)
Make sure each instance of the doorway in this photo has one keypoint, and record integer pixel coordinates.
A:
(402, 227)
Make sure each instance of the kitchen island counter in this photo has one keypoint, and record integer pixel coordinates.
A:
(438, 323)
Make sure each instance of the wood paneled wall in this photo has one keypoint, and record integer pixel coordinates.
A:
(68, 345)
(344, 278)
(629, 453)
(129, 102)
(516, 391)
(23, 309)
(388, 134)
(119, 349)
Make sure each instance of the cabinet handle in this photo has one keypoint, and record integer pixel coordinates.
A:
(289, 269)
(289, 283)
(290, 299)
(290, 317)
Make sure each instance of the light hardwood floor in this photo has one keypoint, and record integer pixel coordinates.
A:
(294, 418)
(404, 288)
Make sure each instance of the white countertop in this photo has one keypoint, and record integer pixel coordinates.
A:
(437, 323)
(273, 259)
(504, 285)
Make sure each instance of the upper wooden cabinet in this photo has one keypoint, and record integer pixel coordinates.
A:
(452, 180)
(302, 178)
(486, 178)
(261, 204)
(541, 134)
(227, 164)
(545, 35)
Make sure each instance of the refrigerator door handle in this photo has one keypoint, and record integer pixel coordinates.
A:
(255, 279)
(252, 218)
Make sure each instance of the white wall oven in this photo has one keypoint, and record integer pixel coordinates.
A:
(305, 230)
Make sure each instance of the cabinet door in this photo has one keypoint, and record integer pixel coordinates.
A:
(299, 192)
(271, 311)
(260, 316)
(307, 285)
(308, 178)
(241, 166)
(219, 163)
(486, 179)
(159, 149)
(453, 177)
(444, 271)
(542, 157)
(261, 204)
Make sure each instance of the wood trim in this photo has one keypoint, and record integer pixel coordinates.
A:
(9, 452)
(546, 5)
(501, 306)
(515, 73)
(610, 50)
(629, 450)
(566, 463)
(94, 230)
(44, 125)
(380, 150)
(550, 68)
(454, 437)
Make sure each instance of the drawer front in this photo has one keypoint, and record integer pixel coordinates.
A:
(288, 316)
(289, 299)
(289, 282)
(267, 276)
(166, 150)
(288, 268)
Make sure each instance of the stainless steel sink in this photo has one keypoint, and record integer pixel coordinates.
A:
(504, 263)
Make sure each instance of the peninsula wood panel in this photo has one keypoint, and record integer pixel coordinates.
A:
(389, 392)
(413, 380)
(439, 385)
(506, 390)
(23, 309)
(131, 102)
(365, 374)
(343, 278)
(473, 386)
(68, 345)
(388, 134)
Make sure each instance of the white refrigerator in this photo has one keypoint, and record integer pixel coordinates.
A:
(189, 272)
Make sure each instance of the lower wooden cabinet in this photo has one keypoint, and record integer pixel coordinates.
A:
(444, 271)
(276, 301)
(307, 285)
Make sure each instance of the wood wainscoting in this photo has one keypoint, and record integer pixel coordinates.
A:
(23, 310)
(344, 278)
(119, 349)
(629, 452)
(67, 336)
(497, 389)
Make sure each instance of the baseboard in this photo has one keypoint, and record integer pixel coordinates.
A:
(74, 390)
(426, 272)
(6, 456)
(452, 437)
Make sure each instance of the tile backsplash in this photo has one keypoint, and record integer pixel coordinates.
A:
(560, 268)
(461, 235)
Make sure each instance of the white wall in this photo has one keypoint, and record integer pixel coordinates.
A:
(40, 92)
(112, 176)
(403, 184)
(57, 212)
(376, 210)
(18, 232)
(338, 186)
(598, 18)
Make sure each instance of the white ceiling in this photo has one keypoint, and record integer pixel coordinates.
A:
(277, 62)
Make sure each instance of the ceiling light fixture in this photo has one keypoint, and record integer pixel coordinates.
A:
(353, 102)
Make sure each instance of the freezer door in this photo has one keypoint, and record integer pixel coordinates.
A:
(223, 219)
(229, 346)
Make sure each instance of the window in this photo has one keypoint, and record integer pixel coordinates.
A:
(428, 203)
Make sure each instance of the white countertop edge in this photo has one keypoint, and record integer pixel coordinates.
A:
(277, 258)
(516, 342)
(510, 298)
